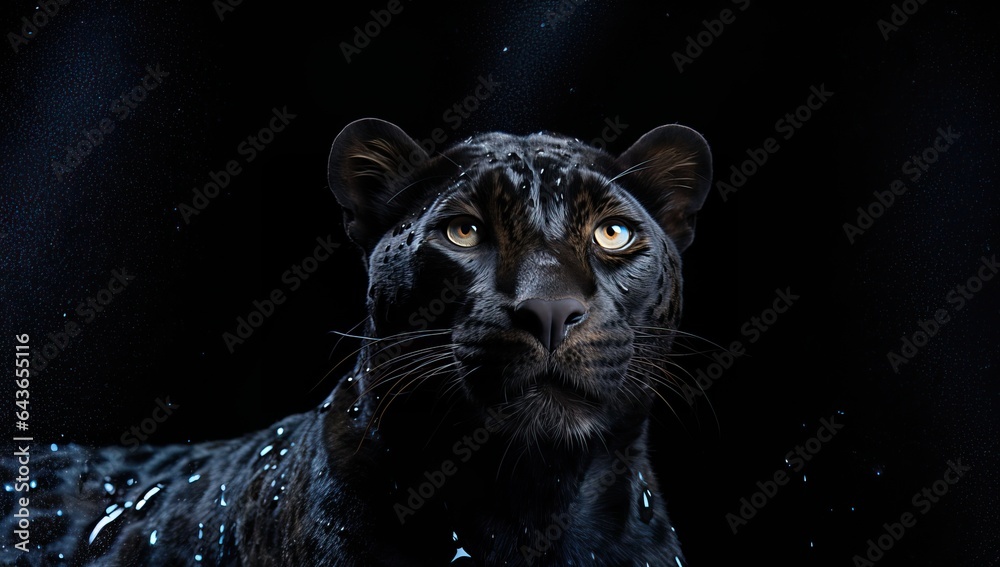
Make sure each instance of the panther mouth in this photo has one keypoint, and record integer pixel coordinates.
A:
(559, 389)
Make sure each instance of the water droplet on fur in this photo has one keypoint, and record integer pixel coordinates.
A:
(646, 505)
(152, 538)
(461, 556)
(110, 517)
(149, 494)
(409, 239)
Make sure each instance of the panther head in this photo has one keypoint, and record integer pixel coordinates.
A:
(535, 274)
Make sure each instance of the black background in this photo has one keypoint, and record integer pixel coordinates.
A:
(61, 239)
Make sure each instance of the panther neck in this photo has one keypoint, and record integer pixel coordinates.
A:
(499, 494)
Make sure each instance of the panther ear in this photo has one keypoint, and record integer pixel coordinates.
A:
(369, 161)
(670, 171)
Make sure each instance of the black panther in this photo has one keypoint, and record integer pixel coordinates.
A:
(524, 295)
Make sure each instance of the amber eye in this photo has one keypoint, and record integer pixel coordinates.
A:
(463, 231)
(613, 235)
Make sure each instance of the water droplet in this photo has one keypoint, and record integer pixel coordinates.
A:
(409, 239)
(266, 450)
(646, 506)
(193, 478)
(145, 497)
(109, 487)
(152, 538)
(53, 447)
(506, 49)
(280, 431)
(104, 521)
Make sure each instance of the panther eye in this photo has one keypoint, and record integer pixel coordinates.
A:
(613, 235)
(463, 231)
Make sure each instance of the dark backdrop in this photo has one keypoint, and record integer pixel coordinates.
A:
(571, 68)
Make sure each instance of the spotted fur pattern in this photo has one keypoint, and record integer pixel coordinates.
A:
(460, 437)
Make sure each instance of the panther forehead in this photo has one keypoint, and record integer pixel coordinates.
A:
(537, 178)
(533, 153)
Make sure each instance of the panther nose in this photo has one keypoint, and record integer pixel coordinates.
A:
(548, 320)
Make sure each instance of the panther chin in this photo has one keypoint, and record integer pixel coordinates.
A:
(550, 409)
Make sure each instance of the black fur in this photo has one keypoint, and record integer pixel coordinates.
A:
(456, 421)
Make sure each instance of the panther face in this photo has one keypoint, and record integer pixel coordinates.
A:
(534, 274)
